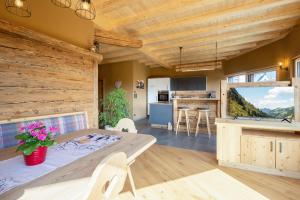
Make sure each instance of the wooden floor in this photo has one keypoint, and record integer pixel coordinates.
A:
(159, 172)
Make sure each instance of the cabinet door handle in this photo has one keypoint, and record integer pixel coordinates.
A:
(280, 147)
(271, 146)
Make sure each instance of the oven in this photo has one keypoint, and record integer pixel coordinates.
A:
(163, 96)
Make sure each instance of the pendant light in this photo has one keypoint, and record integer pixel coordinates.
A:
(18, 7)
(62, 3)
(180, 55)
(216, 54)
(85, 9)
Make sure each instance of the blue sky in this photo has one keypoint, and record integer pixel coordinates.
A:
(268, 97)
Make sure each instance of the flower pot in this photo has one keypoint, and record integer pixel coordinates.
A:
(36, 157)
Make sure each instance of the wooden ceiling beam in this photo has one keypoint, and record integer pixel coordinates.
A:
(225, 42)
(112, 38)
(199, 57)
(120, 54)
(211, 49)
(154, 57)
(231, 35)
(215, 36)
(165, 8)
(278, 16)
(217, 13)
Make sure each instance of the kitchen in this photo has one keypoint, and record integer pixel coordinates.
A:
(182, 104)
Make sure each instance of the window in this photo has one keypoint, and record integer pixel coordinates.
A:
(297, 68)
(257, 76)
(237, 79)
(264, 76)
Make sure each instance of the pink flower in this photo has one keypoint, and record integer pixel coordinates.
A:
(21, 142)
(34, 133)
(42, 137)
(53, 130)
(22, 129)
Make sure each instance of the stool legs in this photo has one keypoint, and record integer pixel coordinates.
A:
(178, 121)
(187, 122)
(198, 122)
(207, 124)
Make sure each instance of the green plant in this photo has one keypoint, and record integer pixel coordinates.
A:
(115, 107)
(34, 135)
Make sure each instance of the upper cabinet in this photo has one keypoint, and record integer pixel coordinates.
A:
(188, 83)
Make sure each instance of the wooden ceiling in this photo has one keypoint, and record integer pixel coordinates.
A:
(238, 26)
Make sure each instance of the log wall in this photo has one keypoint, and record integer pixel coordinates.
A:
(40, 79)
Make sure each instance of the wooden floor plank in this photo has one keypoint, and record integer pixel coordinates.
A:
(160, 172)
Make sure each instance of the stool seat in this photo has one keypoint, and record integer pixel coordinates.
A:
(183, 108)
(203, 109)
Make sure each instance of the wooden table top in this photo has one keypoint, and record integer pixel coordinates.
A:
(132, 144)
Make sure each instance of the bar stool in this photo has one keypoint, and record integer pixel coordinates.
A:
(200, 112)
(184, 109)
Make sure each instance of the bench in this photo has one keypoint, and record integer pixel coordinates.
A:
(66, 123)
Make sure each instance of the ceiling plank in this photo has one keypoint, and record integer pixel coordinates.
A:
(112, 38)
(243, 22)
(218, 13)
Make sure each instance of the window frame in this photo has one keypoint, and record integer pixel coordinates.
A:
(250, 75)
(296, 68)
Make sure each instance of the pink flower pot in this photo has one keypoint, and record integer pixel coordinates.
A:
(36, 157)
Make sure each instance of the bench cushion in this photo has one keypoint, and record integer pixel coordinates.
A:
(65, 124)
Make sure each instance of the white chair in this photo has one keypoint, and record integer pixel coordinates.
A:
(126, 124)
(106, 183)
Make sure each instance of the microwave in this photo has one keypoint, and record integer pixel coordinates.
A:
(163, 95)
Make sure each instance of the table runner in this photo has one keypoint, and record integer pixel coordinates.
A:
(14, 172)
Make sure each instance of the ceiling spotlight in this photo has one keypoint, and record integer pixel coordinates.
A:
(18, 7)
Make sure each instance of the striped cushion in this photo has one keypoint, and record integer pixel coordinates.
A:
(65, 124)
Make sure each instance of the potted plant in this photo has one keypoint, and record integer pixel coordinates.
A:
(35, 138)
(115, 107)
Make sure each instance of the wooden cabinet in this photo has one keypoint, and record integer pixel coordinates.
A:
(258, 151)
(288, 154)
(271, 152)
(228, 143)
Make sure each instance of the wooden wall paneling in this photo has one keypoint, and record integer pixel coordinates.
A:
(96, 103)
(44, 76)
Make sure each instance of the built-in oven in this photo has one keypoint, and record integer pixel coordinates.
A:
(163, 96)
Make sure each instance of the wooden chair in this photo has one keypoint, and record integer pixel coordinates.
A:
(128, 125)
(106, 183)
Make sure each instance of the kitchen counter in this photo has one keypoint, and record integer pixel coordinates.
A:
(163, 103)
(198, 99)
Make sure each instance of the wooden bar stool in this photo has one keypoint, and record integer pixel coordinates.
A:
(184, 109)
(200, 112)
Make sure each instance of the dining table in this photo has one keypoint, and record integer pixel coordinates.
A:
(131, 144)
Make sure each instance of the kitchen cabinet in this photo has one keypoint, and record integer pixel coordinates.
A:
(288, 154)
(258, 151)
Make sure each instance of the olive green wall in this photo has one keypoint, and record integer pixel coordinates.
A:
(270, 55)
(56, 22)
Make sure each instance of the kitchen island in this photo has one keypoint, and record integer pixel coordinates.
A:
(193, 103)
(161, 113)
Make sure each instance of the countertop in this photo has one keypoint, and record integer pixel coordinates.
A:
(198, 99)
(162, 103)
(262, 124)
